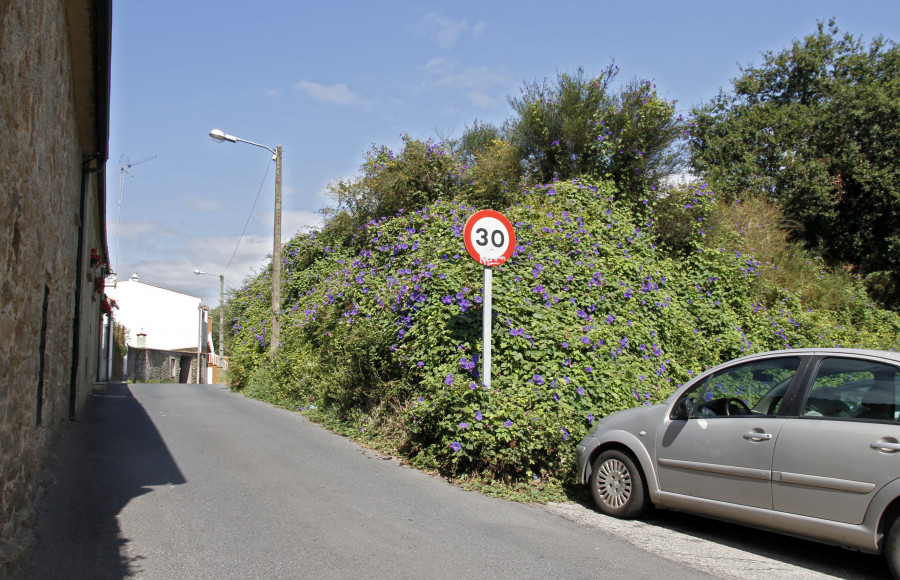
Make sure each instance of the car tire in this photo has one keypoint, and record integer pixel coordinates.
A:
(617, 485)
(892, 547)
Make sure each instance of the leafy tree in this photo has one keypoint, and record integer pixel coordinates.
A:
(476, 140)
(580, 127)
(816, 129)
(421, 173)
(491, 170)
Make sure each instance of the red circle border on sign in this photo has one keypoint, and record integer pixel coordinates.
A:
(470, 223)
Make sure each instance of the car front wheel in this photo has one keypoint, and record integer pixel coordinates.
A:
(617, 485)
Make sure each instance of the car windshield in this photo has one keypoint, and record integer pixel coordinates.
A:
(752, 388)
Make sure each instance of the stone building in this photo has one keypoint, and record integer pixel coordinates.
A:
(54, 117)
(165, 330)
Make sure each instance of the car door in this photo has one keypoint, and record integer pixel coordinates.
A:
(844, 446)
(723, 449)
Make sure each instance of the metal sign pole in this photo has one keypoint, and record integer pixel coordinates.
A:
(486, 327)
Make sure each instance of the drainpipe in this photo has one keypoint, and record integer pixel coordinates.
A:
(79, 272)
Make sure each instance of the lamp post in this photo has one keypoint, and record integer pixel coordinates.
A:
(221, 310)
(220, 136)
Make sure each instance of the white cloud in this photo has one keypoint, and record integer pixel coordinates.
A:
(200, 204)
(484, 87)
(338, 94)
(445, 32)
(294, 221)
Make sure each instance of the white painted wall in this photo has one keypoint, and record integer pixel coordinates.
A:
(171, 320)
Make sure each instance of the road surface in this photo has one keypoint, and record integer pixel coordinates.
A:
(194, 481)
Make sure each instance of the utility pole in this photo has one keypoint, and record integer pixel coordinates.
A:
(276, 260)
(221, 317)
(220, 136)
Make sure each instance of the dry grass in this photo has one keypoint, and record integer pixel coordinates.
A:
(758, 230)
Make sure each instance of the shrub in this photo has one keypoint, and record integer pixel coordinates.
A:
(590, 315)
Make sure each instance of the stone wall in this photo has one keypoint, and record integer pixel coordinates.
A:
(42, 181)
(160, 366)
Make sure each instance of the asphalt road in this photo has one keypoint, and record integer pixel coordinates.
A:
(194, 481)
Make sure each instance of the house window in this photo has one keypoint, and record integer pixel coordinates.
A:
(173, 368)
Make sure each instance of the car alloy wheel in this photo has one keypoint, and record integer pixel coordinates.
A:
(614, 483)
(617, 485)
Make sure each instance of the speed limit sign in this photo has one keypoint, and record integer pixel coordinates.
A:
(489, 238)
(491, 241)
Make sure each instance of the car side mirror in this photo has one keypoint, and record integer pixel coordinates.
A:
(683, 409)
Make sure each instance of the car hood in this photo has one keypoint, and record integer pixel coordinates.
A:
(636, 419)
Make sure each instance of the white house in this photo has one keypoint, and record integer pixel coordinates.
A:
(156, 318)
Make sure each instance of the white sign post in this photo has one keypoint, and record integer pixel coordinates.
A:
(490, 240)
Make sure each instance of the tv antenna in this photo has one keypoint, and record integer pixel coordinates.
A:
(124, 166)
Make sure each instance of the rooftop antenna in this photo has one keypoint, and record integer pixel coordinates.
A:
(124, 166)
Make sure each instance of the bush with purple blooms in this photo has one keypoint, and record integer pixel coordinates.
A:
(590, 316)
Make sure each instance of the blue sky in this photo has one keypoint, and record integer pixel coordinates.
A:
(326, 80)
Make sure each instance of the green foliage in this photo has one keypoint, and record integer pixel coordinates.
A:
(476, 140)
(420, 174)
(120, 338)
(492, 179)
(579, 127)
(816, 130)
(381, 332)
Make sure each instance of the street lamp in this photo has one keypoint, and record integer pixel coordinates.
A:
(219, 137)
(221, 309)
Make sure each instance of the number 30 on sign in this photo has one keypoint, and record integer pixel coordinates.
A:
(489, 238)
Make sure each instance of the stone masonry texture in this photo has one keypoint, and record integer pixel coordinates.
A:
(40, 190)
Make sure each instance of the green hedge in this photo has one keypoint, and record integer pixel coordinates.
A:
(381, 336)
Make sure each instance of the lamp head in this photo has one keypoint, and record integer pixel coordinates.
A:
(219, 136)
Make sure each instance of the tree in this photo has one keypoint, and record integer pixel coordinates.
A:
(580, 127)
(421, 173)
(815, 129)
(491, 170)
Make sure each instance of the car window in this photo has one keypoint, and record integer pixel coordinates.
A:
(846, 388)
(750, 389)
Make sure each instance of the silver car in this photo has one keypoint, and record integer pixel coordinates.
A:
(804, 442)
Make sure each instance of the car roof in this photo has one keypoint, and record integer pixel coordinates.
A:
(888, 355)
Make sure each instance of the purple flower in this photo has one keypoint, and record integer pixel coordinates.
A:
(455, 446)
(610, 318)
(588, 370)
(448, 380)
(463, 425)
(508, 424)
(478, 416)
(420, 364)
(538, 379)
(627, 292)
(580, 391)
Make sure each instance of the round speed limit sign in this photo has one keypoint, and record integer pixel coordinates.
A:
(489, 237)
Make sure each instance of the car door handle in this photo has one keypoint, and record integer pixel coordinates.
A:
(884, 446)
(759, 436)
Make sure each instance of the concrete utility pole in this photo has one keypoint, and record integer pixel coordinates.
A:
(221, 317)
(221, 136)
(221, 310)
(276, 260)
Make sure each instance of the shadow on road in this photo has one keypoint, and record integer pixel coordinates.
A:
(110, 456)
(828, 560)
